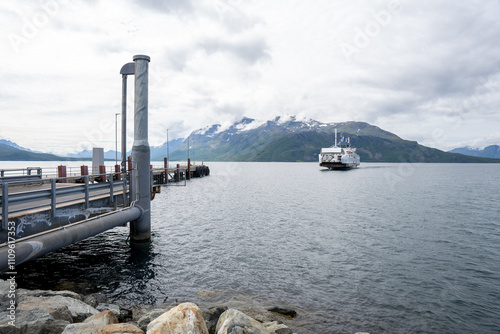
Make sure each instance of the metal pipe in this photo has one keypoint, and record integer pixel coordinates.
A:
(42, 243)
(140, 229)
(124, 137)
(127, 69)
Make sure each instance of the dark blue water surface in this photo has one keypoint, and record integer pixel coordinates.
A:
(396, 248)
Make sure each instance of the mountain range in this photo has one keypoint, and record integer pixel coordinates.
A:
(293, 139)
(492, 151)
(280, 139)
(10, 151)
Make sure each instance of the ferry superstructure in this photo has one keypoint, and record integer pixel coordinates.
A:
(339, 156)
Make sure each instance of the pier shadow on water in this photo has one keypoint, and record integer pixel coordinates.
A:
(97, 264)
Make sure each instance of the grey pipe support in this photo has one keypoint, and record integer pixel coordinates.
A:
(127, 69)
(40, 244)
(140, 229)
(124, 138)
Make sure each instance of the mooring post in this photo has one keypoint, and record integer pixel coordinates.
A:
(140, 229)
(61, 172)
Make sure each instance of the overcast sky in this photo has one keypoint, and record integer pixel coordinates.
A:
(425, 70)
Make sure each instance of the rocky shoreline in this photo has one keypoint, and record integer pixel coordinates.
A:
(67, 312)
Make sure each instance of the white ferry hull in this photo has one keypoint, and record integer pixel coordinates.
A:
(339, 165)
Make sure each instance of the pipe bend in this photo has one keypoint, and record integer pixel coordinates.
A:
(134, 204)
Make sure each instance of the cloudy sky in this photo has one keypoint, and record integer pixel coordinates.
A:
(425, 70)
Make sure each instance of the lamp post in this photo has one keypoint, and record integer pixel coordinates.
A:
(168, 157)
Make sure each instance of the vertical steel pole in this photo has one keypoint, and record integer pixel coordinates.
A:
(87, 192)
(53, 197)
(140, 229)
(116, 138)
(124, 137)
(111, 190)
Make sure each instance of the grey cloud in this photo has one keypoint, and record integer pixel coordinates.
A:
(436, 58)
(251, 51)
(230, 16)
(168, 6)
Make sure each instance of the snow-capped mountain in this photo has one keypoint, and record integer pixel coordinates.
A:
(289, 123)
(292, 138)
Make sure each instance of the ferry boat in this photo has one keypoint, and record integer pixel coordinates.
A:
(341, 156)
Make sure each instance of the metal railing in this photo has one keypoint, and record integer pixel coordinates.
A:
(20, 174)
(81, 188)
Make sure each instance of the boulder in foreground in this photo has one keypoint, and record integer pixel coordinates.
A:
(184, 318)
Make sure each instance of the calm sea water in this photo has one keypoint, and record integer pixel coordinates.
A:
(386, 248)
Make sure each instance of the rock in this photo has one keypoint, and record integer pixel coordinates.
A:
(284, 311)
(5, 288)
(34, 321)
(63, 308)
(107, 317)
(184, 318)
(56, 309)
(211, 316)
(95, 299)
(92, 324)
(120, 329)
(5, 285)
(24, 293)
(144, 321)
(111, 307)
(275, 327)
(235, 322)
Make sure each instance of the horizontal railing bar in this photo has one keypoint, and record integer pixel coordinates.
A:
(31, 208)
(27, 197)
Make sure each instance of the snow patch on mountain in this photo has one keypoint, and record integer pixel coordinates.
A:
(249, 126)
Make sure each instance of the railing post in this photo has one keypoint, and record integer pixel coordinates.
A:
(53, 198)
(5, 205)
(87, 205)
(165, 165)
(111, 190)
